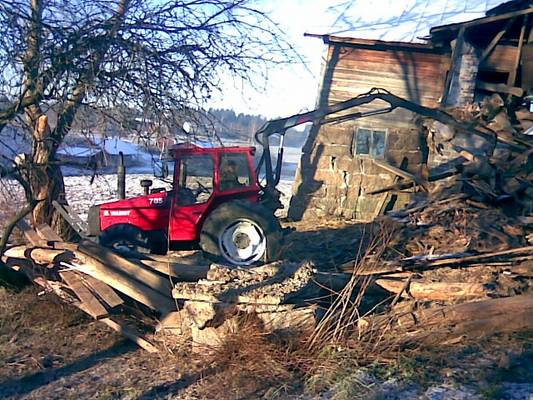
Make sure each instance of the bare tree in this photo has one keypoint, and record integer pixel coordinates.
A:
(153, 56)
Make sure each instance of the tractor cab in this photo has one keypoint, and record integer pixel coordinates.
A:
(214, 201)
(204, 178)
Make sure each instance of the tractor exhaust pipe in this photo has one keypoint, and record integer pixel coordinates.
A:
(121, 177)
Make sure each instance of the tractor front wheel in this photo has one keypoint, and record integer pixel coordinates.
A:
(124, 239)
(241, 233)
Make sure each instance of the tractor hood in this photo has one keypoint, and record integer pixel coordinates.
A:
(148, 212)
(149, 200)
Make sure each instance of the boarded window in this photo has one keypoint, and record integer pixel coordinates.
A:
(369, 142)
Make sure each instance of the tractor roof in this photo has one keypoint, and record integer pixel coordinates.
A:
(183, 148)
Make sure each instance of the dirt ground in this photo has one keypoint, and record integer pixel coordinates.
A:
(49, 350)
(52, 351)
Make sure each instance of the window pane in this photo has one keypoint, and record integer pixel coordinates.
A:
(234, 171)
(363, 139)
(378, 144)
(196, 179)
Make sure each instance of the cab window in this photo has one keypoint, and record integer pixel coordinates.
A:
(195, 179)
(234, 171)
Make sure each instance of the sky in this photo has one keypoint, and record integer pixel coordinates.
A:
(293, 89)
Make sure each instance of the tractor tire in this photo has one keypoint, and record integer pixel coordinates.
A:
(124, 239)
(241, 233)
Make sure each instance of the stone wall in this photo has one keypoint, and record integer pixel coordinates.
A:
(336, 183)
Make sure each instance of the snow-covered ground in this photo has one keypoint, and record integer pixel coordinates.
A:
(83, 191)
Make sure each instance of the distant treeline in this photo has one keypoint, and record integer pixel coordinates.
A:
(231, 125)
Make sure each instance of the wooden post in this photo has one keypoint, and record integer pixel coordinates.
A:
(511, 80)
(456, 56)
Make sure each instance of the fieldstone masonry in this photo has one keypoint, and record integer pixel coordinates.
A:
(336, 182)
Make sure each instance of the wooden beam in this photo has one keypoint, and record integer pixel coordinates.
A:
(500, 88)
(182, 272)
(131, 335)
(105, 292)
(456, 53)
(81, 227)
(496, 39)
(127, 267)
(30, 235)
(434, 291)
(511, 80)
(47, 233)
(481, 21)
(400, 172)
(124, 284)
(92, 305)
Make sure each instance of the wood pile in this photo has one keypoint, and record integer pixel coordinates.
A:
(98, 281)
(459, 259)
(189, 297)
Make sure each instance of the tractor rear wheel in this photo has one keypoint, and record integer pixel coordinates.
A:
(241, 233)
(124, 239)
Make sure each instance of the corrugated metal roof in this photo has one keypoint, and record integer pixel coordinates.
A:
(400, 20)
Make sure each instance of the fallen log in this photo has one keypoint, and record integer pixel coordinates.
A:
(39, 255)
(477, 319)
(434, 291)
(441, 325)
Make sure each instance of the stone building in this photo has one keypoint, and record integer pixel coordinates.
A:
(454, 65)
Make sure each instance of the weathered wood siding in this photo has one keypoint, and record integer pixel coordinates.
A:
(331, 180)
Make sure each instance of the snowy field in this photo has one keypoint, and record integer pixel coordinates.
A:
(83, 191)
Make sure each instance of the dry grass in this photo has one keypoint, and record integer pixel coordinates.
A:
(342, 318)
(31, 332)
(252, 363)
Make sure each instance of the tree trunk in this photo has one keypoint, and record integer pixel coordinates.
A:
(46, 181)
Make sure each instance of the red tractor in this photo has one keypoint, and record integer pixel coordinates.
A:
(216, 200)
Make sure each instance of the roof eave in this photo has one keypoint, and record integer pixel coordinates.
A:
(372, 43)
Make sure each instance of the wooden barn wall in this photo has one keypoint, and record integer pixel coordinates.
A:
(333, 181)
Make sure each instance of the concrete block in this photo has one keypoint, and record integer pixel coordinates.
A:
(348, 164)
(336, 150)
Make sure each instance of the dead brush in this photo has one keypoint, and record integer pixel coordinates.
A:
(253, 363)
(351, 334)
(341, 320)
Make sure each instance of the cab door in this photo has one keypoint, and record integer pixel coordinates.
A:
(193, 187)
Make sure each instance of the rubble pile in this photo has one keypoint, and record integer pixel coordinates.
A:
(457, 225)
(492, 161)
(275, 293)
(467, 236)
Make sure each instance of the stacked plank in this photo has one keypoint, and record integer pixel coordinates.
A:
(95, 279)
